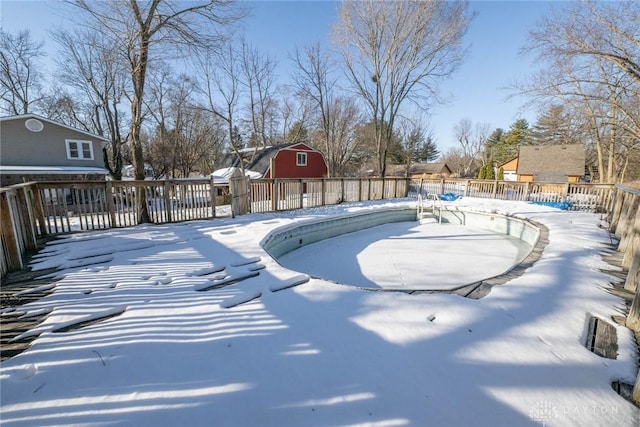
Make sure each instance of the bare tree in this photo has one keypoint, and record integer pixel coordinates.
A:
(344, 117)
(187, 137)
(145, 28)
(161, 146)
(589, 55)
(259, 78)
(455, 159)
(399, 51)
(417, 142)
(295, 114)
(20, 78)
(472, 140)
(89, 63)
(336, 117)
(220, 84)
(62, 106)
(592, 29)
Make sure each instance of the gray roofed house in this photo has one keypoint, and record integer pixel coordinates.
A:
(259, 163)
(420, 170)
(35, 148)
(551, 163)
(430, 169)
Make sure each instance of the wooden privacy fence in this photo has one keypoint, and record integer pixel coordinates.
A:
(624, 222)
(34, 210)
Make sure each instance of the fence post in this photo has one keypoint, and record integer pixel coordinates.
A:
(39, 207)
(621, 226)
(167, 200)
(632, 239)
(276, 195)
(466, 188)
(636, 389)
(342, 184)
(620, 197)
(301, 193)
(212, 195)
(495, 188)
(26, 215)
(10, 238)
(624, 210)
(628, 228)
(111, 208)
(633, 276)
(633, 318)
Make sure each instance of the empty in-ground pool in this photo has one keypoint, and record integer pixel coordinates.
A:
(410, 256)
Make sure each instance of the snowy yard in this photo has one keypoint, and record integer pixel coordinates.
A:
(179, 346)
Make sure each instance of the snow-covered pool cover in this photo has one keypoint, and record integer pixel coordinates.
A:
(409, 256)
(318, 353)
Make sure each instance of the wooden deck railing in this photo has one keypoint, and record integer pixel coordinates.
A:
(574, 196)
(624, 222)
(34, 210)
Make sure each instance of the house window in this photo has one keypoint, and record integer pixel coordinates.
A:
(79, 150)
(302, 159)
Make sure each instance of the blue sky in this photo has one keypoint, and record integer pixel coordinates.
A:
(277, 27)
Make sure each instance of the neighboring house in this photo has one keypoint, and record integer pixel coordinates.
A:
(546, 163)
(222, 175)
(509, 169)
(420, 171)
(296, 160)
(429, 170)
(33, 148)
(129, 173)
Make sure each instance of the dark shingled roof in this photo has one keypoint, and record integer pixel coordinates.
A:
(260, 162)
(429, 168)
(418, 168)
(551, 159)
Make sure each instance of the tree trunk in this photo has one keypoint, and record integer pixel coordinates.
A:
(138, 72)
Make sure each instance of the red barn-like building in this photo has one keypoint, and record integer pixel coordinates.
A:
(296, 160)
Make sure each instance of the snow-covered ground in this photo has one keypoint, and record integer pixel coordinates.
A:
(183, 349)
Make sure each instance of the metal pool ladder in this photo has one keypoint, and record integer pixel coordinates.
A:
(434, 200)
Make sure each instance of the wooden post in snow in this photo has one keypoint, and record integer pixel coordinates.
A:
(9, 234)
(212, 195)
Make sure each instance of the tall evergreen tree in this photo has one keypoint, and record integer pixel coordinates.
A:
(554, 127)
(519, 134)
(427, 151)
(494, 147)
